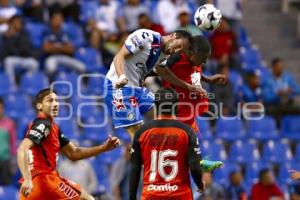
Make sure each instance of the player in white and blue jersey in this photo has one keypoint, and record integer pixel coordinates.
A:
(127, 100)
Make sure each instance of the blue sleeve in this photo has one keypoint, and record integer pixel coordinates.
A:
(269, 94)
(293, 84)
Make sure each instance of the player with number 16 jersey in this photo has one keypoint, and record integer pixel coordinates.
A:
(168, 149)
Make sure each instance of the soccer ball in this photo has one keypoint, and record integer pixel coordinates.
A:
(208, 17)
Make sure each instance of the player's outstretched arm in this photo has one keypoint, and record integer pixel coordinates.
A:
(77, 153)
(119, 63)
(294, 175)
(23, 163)
(220, 79)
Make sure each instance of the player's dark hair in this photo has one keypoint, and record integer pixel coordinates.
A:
(262, 173)
(13, 18)
(42, 94)
(200, 44)
(275, 61)
(1, 101)
(184, 34)
(56, 12)
(144, 14)
(166, 100)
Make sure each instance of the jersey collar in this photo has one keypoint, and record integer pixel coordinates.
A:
(43, 116)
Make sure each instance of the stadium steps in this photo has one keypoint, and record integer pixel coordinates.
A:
(274, 32)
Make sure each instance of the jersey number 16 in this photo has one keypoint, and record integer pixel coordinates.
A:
(159, 162)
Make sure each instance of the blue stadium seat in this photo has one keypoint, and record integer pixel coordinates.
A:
(244, 152)
(18, 105)
(97, 133)
(31, 83)
(75, 32)
(87, 10)
(263, 129)
(252, 170)
(213, 150)
(85, 107)
(69, 128)
(251, 58)
(96, 86)
(230, 129)
(276, 152)
(297, 152)
(222, 175)
(102, 173)
(122, 134)
(69, 88)
(22, 126)
(204, 128)
(283, 175)
(243, 38)
(235, 79)
(6, 85)
(8, 193)
(290, 127)
(36, 32)
(90, 57)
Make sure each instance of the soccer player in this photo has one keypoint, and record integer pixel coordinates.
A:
(126, 99)
(185, 70)
(169, 150)
(38, 153)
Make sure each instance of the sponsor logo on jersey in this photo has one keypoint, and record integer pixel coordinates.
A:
(130, 116)
(36, 134)
(162, 188)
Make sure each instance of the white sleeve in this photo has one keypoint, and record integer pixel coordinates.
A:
(138, 40)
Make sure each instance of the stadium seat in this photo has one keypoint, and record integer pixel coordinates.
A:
(122, 134)
(283, 175)
(95, 86)
(244, 152)
(18, 105)
(90, 57)
(32, 83)
(69, 128)
(252, 170)
(6, 85)
(23, 124)
(75, 32)
(8, 193)
(297, 152)
(36, 32)
(243, 38)
(85, 108)
(222, 175)
(290, 127)
(230, 129)
(102, 173)
(70, 79)
(276, 152)
(204, 128)
(263, 129)
(96, 132)
(213, 150)
(250, 58)
(87, 10)
(235, 79)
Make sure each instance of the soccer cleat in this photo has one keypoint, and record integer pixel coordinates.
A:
(209, 166)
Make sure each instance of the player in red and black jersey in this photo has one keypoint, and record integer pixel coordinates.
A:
(186, 72)
(38, 154)
(169, 150)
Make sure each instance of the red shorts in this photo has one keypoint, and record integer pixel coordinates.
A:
(50, 186)
(183, 195)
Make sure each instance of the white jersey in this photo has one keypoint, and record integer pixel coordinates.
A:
(144, 45)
